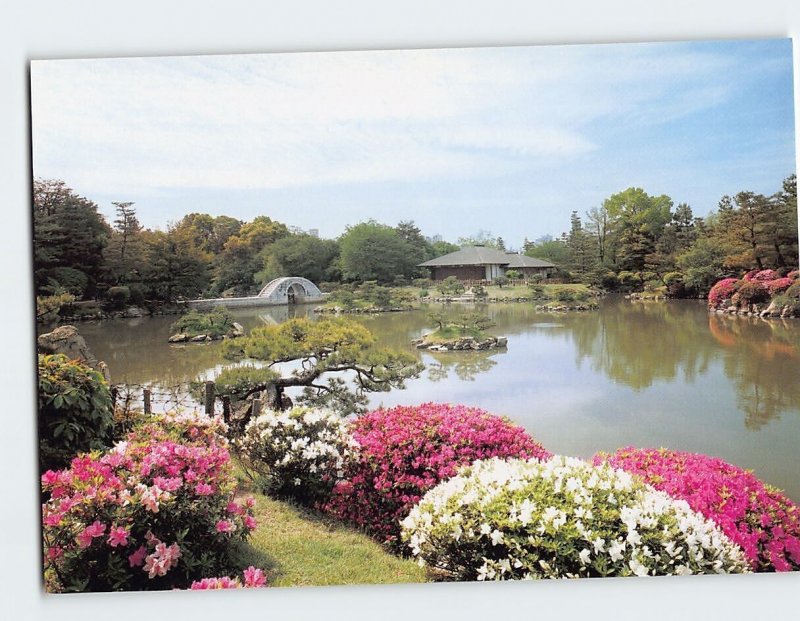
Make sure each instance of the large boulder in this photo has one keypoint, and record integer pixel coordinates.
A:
(66, 340)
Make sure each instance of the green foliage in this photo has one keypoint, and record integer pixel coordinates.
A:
(324, 347)
(500, 281)
(302, 255)
(479, 291)
(423, 283)
(75, 410)
(215, 322)
(373, 251)
(513, 274)
(118, 296)
(240, 381)
(49, 307)
(450, 286)
(68, 233)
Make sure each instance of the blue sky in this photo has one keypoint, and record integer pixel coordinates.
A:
(509, 140)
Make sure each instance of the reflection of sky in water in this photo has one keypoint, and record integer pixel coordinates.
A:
(658, 375)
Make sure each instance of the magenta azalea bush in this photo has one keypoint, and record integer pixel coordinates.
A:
(157, 511)
(404, 451)
(760, 519)
(721, 291)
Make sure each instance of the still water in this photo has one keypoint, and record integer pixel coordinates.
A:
(630, 374)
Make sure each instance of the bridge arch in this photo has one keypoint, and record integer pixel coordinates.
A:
(291, 290)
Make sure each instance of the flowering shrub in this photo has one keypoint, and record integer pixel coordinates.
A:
(764, 522)
(253, 578)
(762, 276)
(298, 453)
(750, 292)
(722, 291)
(405, 451)
(75, 412)
(564, 518)
(157, 511)
(778, 285)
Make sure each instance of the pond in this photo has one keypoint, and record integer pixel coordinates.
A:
(631, 374)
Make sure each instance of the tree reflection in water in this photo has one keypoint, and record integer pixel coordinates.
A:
(465, 364)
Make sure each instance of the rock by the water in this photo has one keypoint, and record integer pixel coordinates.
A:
(66, 340)
(179, 338)
(199, 338)
(134, 311)
(238, 329)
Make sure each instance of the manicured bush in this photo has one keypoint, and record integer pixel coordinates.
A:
(75, 412)
(778, 285)
(721, 291)
(215, 322)
(563, 518)
(155, 512)
(406, 450)
(750, 292)
(298, 453)
(764, 522)
(762, 276)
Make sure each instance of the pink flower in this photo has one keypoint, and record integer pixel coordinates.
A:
(85, 537)
(118, 536)
(203, 489)
(225, 526)
(254, 577)
(54, 553)
(250, 523)
(137, 558)
(233, 508)
(162, 560)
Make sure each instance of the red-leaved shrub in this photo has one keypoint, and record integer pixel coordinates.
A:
(778, 285)
(764, 522)
(721, 291)
(406, 450)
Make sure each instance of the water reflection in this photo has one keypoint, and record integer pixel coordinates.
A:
(762, 361)
(466, 365)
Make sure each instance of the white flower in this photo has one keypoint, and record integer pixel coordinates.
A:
(584, 556)
(615, 550)
(497, 537)
(637, 568)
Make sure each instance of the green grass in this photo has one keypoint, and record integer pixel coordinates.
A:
(299, 547)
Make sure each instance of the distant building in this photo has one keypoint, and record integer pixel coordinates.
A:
(482, 263)
(313, 232)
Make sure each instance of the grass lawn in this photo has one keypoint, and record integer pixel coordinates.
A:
(298, 547)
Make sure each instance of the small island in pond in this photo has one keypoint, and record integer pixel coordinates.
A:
(466, 331)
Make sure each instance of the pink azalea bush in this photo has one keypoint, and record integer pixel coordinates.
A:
(760, 519)
(404, 451)
(778, 285)
(252, 578)
(721, 291)
(157, 511)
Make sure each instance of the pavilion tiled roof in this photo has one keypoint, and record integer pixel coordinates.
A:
(482, 255)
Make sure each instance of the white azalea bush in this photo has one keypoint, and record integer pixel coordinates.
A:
(298, 453)
(563, 518)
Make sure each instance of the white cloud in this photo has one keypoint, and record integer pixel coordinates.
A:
(274, 121)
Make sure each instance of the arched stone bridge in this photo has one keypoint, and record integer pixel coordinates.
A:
(291, 290)
(284, 290)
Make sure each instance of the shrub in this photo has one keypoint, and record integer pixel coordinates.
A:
(721, 291)
(118, 297)
(155, 512)
(793, 274)
(49, 307)
(298, 453)
(422, 283)
(405, 451)
(215, 322)
(501, 281)
(424, 293)
(451, 286)
(762, 276)
(564, 518)
(75, 410)
(778, 285)
(764, 522)
(400, 281)
(794, 290)
(513, 274)
(750, 292)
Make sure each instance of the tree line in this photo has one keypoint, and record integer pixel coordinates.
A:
(78, 252)
(633, 241)
(638, 241)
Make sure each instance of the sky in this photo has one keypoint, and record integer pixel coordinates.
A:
(509, 140)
